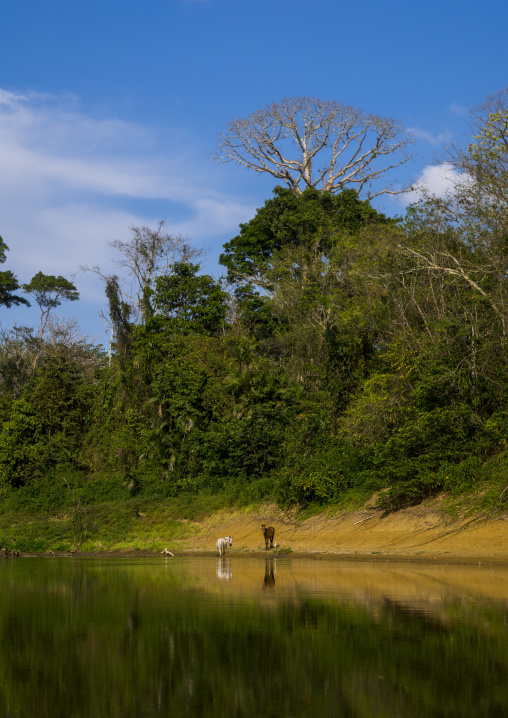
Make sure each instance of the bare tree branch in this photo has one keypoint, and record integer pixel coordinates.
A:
(445, 263)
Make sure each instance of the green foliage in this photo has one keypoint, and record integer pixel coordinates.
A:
(9, 283)
(464, 478)
(45, 427)
(119, 312)
(192, 302)
(293, 219)
(60, 396)
(347, 358)
(49, 291)
(242, 449)
(20, 450)
(287, 250)
(26, 544)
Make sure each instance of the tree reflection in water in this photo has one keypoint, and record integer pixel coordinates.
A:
(141, 639)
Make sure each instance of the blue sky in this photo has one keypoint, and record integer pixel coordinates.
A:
(109, 111)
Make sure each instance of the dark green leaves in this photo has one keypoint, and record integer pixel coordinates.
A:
(49, 291)
(9, 283)
(191, 302)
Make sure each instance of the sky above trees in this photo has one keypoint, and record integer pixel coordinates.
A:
(109, 111)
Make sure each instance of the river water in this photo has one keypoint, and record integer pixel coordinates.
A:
(243, 637)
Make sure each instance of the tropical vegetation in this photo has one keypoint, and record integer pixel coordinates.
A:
(343, 353)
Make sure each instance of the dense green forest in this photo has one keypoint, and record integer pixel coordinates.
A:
(343, 352)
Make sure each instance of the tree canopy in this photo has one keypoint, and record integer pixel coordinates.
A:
(190, 301)
(294, 219)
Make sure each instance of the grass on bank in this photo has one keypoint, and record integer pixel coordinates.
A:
(134, 524)
(69, 511)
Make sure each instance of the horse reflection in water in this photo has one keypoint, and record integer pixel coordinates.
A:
(270, 570)
(224, 568)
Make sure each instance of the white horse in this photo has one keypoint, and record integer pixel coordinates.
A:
(222, 543)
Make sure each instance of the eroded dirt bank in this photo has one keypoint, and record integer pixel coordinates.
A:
(420, 532)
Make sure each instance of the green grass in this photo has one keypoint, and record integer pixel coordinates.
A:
(134, 524)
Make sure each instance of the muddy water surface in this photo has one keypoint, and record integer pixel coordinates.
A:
(251, 636)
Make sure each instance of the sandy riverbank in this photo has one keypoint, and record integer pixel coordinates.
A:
(423, 532)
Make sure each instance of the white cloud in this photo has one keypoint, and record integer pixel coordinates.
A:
(457, 109)
(430, 137)
(51, 147)
(438, 180)
(71, 182)
(10, 98)
(214, 216)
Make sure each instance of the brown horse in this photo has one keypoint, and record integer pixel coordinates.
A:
(268, 533)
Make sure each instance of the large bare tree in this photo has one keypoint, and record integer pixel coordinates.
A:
(307, 142)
